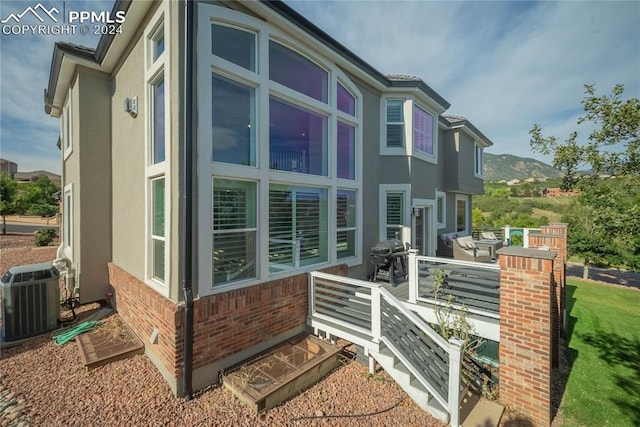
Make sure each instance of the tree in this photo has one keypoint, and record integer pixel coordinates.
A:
(611, 191)
(37, 197)
(477, 217)
(8, 192)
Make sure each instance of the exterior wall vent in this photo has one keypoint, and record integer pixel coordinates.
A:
(30, 301)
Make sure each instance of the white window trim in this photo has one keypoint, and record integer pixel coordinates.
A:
(478, 173)
(357, 257)
(67, 127)
(68, 213)
(264, 176)
(467, 213)
(443, 195)
(409, 102)
(154, 70)
(431, 206)
(382, 206)
(431, 158)
(384, 149)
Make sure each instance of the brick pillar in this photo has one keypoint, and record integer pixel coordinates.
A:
(526, 346)
(561, 229)
(554, 242)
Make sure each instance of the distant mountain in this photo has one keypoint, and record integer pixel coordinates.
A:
(498, 167)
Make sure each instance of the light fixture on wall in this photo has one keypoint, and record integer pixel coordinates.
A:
(131, 106)
(416, 212)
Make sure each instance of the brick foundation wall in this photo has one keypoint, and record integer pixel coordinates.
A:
(144, 309)
(526, 312)
(224, 324)
(230, 322)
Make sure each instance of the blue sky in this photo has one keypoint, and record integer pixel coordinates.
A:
(503, 65)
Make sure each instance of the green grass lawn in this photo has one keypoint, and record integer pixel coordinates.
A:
(603, 339)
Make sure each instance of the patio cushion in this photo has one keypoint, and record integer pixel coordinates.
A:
(466, 242)
(488, 235)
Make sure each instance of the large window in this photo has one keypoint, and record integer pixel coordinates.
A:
(234, 122)
(157, 159)
(346, 101)
(346, 151)
(297, 226)
(346, 223)
(422, 131)
(297, 139)
(158, 147)
(395, 123)
(279, 127)
(234, 230)
(158, 228)
(297, 72)
(234, 45)
(409, 128)
(395, 214)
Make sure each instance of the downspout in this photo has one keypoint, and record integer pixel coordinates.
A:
(187, 168)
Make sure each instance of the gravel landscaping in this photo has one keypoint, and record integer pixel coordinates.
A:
(49, 386)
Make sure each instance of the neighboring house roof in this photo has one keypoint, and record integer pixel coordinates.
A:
(30, 176)
(453, 122)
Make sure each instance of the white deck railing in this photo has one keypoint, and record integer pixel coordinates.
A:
(510, 232)
(367, 314)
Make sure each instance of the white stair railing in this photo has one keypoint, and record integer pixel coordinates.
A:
(366, 313)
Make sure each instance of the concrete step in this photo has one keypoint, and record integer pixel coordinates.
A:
(476, 411)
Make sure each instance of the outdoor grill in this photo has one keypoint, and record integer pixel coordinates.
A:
(389, 259)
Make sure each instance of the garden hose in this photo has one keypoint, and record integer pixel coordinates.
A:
(70, 334)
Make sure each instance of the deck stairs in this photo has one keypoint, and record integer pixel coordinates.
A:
(423, 363)
(402, 375)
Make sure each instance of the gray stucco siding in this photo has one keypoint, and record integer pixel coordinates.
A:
(95, 172)
(128, 165)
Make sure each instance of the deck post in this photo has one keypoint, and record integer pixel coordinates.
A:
(376, 318)
(311, 295)
(413, 276)
(455, 366)
(372, 362)
(525, 237)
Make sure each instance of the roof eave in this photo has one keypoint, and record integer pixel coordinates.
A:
(304, 24)
(66, 57)
(420, 84)
(465, 125)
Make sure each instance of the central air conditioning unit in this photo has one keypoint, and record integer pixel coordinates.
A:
(30, 301)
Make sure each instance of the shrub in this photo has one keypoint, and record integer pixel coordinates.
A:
(45, 237)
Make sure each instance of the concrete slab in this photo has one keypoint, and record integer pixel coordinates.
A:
(479, 412)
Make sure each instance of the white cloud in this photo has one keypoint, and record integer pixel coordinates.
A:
(27, 134)
(503, 65)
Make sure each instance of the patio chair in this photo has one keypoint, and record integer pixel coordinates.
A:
(464, 249)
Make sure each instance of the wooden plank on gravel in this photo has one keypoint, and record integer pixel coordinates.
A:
(111, 341)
